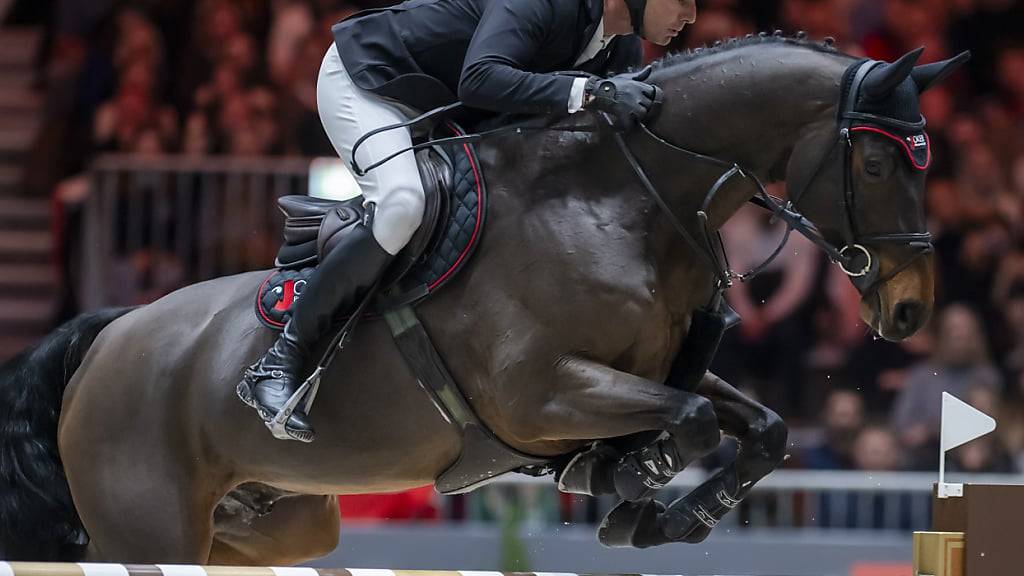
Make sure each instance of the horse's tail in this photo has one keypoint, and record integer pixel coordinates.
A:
(38, 520)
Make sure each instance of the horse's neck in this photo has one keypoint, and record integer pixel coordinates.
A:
(747, 105)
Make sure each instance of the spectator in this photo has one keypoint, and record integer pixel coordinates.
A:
(960, 361)
(761, 348)
(986, 454)
(819, 18)
(1013, 361)
(877, 449)
(843, 421)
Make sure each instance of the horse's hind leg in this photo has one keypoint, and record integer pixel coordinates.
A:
(140, 500)
(145, 522)
(297, 528)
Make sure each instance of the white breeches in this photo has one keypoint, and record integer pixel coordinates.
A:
(347, 112)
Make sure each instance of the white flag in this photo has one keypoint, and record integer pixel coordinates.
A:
(962, 422)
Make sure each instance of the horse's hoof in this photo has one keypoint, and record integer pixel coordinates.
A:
(684, 522)
(632, 525)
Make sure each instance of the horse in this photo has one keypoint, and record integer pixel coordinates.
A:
(123, 438)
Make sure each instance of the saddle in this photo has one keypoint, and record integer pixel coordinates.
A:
(452, 223)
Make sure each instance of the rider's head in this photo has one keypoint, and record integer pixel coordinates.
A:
(659, 21)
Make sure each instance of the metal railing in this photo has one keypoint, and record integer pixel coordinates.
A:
(790, 499)
(156, 224)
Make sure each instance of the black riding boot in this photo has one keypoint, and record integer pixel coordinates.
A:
(342, 279)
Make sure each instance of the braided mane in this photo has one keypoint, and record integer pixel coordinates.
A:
(778, 39)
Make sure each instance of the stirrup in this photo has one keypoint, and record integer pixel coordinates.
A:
(278, 425)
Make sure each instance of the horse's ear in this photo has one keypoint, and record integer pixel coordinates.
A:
(928, 75)
(883, 79)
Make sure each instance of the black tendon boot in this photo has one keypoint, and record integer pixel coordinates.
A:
(341, 281)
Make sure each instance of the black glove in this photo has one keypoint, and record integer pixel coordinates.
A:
(628, 101)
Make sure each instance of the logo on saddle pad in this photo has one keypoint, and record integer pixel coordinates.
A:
(288, 293)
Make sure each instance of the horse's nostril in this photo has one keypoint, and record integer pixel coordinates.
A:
(908, 316)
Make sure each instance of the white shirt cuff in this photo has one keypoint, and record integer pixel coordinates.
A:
(576, 94)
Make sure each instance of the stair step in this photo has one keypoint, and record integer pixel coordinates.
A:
(25, 311)
(19, 100)
(24, 208)
(29, 277)
(19, 45)
(16, 139)
(10, 182)
(11, 345)
(25, 245)
(21, 36)
(12, 76)
(24, 214)
(27, 122)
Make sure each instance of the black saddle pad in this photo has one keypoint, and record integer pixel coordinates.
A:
(455, 237)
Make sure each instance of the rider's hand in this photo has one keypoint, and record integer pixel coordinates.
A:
(627, 101)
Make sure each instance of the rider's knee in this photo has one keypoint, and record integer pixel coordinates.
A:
(404, 205)
(697, 424)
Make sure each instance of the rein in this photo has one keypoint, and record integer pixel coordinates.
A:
(853, 257)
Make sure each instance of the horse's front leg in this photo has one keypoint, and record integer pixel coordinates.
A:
(762, 438)
(594, 401)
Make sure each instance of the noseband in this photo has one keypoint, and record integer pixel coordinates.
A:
(854, 257)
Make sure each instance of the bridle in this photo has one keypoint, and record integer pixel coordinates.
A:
(853, 256)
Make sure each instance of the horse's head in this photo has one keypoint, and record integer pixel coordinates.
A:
(860, 178)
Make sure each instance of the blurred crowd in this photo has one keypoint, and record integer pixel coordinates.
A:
(868, 404)
(237, 77)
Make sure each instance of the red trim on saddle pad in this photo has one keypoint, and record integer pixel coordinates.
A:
(259, 298)
(479, 217)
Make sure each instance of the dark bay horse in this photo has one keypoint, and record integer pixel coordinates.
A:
(560, 332)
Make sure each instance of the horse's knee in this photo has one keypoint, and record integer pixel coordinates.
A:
(696, 426)
(768, 441)
(774, 438)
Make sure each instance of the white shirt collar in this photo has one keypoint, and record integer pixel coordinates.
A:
(597, 43)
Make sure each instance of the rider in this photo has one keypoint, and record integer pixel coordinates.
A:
(495, 55)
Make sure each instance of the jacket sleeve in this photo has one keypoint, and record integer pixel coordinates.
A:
(627, 53)
(509, 36)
